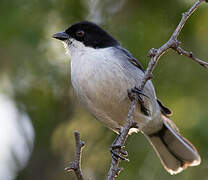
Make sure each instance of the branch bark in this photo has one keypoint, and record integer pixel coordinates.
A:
(120, 141)
(172, 43)
(76, 164)
(155, 55)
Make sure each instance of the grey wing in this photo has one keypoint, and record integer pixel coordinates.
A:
(134, 70)
(131, 58)
(135, 73)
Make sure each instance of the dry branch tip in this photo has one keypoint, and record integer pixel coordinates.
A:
(155, 55)
(76, 164)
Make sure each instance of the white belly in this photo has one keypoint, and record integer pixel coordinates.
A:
(101, 85)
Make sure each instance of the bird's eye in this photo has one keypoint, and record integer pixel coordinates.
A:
(80, 33)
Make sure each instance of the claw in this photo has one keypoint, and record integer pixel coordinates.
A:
(117, 152)
(123, 152)
(138, 91)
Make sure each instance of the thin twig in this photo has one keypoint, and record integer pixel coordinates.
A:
(173, 43)
(155, 55)
(114, 169)
(191, 55)
(76, 165)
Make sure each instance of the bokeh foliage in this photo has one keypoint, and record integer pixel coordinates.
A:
(36, 72)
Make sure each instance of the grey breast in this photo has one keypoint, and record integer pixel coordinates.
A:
(101, 83)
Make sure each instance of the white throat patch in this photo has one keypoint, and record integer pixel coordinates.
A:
(74, 47)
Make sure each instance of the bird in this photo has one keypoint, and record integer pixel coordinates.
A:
(102, 72)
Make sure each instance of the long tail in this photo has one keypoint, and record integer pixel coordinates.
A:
(175, 152)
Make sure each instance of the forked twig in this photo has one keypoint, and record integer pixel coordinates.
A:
(76, 164)
(155, 55)
(172, 43)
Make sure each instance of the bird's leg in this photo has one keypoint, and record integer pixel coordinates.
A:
(117, 151)
(138, 92)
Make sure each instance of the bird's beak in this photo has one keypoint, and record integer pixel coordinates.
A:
(61, 36)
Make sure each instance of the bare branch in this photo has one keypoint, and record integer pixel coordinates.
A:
(191, 55)
(155, 55)
(114, 169)
(185, 17)
(173, 43)
(76, 165)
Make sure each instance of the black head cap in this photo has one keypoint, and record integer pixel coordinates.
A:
(91, 35)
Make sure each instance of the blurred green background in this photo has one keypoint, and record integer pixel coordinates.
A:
(35, 77)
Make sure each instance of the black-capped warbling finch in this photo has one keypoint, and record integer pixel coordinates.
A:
(101, 73)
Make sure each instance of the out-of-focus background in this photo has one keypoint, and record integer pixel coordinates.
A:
(38, 108)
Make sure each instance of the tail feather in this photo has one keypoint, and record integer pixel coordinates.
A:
(175, 152)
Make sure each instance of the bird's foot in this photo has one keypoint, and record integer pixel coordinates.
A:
(139, 94)
(118, 152)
